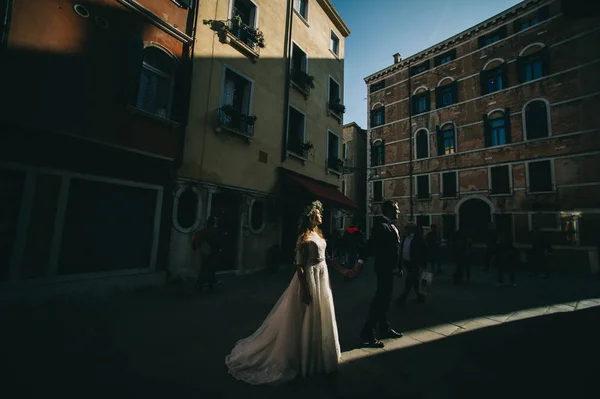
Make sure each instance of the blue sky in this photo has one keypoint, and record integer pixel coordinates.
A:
(381, 28)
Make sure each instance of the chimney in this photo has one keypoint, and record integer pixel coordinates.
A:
(397, 58)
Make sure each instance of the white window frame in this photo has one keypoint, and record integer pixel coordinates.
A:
(423, 214)
(222, 93)
(305, 53)
(382, 190)
(338, 149)
(428, 143)
(297, 11)
(548, 119)
(378, 143)
(510, 181)
(442, 184)
(250, 210)
(256, 12)
(455, 137)
(552, 176)
(558, 226)
(416, 187)
(329, 89)
(337, 55)
(287, 130)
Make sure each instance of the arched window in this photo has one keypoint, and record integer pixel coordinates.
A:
(421, 101)
(156, 82)
(257, 216)
(378, 153)
(532, 62)
(537, 120)
(493, 77)
(446, 93)
(497, 128)
(422, 144)
(378, 116)
(446, 139)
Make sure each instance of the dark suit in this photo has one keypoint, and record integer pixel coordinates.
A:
(384, 246)
(418, 261)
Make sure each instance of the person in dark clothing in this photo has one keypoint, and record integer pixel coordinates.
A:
(384, 246)
(506, 262)
(433, 242)
(353, 241)
(414, 259)
(209, 241)
(540, 254)
(462, 244)
(492, 242)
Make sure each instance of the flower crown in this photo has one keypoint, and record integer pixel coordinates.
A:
(310, 210)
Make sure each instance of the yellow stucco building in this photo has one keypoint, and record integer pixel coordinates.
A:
(264, 136)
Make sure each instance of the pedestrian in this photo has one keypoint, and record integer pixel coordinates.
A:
(491, 243)
(463, 247)
(506, 262)
(210, 242)
(540, 254)
(433, 241)
(352, 242)
(414, 259)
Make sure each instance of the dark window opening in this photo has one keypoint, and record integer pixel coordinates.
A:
(421, 102)
(296, 132)
(422, 142)
(423, 187)
(449, 186)
(500, 180)
(378, 191)
(423, 220)
(257, 215)
(414, 70)
(378, 154)
(532, 19)
(445, 58)
(378, 117)
(536, 120)
(156, 83)
(377, 86)
(492, 37)
(446, 95)
(540, 176)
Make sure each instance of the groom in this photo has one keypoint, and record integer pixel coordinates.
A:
(384, 246)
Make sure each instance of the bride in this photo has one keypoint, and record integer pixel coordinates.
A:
(299, 335)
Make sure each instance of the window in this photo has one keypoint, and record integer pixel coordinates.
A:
(493, 80)
(299, 66)
(334, 91)
(156, 82)
(415, 70)
(448, 226)
(377, 153)
(497, 128)
(377, 191)
(377, 86)
(344, 151)
(423, 191)
(493, 37)
(422, 144)
(536, 120)
(445, 58)
(296, 131)
(421, 102)
(344, 187)
(540, 176)
(500, 180)
(378, 116)
(246, 11)
(236, 102)
(423, 220)
(446, 95)
(532, 19)
(257, 216)
(333, 152)
(449, 185)
(184, 3)
(301, 7)
(446, 139)
(334, 45)
(533, 66)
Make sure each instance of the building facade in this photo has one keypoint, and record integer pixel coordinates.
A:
(264, 137)
(91, 131)
(354, 183)
(497, 124)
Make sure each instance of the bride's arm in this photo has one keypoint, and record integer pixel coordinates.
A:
(301, 259)
(333, 263)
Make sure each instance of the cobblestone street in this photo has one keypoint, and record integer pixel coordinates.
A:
(541, 337)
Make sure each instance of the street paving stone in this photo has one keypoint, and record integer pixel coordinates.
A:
(467, 340)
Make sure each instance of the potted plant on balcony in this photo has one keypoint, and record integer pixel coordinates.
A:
(307, 148)
(303, 80)
(337, 107)
(257, 36)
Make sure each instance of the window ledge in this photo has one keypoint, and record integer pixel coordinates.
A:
(448, 198)
(135, 110)
(541, 192)
(295, 85)
(297, 156)
(228, 38)
(423, 199)
(335, 55)
(247, 136)
(301, 18)
(338, 117)
(335, 172)
(501, 194)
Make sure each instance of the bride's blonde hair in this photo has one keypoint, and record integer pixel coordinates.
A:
(308, 223)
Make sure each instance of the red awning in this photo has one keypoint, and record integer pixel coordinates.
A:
(325, 192)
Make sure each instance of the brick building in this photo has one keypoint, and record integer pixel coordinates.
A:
(354, 183)
(497, 123)
(95, 96)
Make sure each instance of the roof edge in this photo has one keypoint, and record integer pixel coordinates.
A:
(335, 17)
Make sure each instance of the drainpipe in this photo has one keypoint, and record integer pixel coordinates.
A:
(410, 143)
(286, 84)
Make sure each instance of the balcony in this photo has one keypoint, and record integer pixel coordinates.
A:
(247, 39)
(336, 165)
(303, 82)
(234, 121)
(300, 150)
(336, 109)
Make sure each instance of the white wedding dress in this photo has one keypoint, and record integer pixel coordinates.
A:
(295, 339)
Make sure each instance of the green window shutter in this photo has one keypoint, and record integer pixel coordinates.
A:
(487, 134)
(507, 128)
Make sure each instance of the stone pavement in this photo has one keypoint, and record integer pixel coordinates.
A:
(537, 339)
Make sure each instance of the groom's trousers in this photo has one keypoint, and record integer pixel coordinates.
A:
(379, 305)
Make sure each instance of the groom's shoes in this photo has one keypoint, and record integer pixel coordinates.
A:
(371, 343)
(390, 333)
